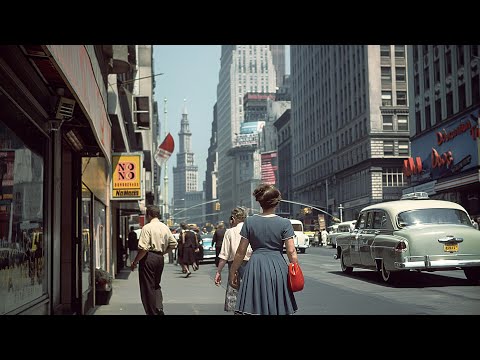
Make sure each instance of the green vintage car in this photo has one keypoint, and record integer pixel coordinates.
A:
(414, 233)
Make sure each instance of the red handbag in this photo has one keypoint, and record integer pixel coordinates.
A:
(295, 277)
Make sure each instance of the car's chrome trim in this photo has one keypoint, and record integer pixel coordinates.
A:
(428, 263)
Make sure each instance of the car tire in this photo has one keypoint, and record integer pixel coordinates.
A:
(345, 269)
(388, 276)
(472, 274)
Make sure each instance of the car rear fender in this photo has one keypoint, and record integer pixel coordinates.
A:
(430, 240)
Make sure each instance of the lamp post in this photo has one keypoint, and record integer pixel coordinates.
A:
(340, 209)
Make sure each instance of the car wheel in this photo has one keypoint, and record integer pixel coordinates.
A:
(472, 274)
(345, 269)
(388, 276)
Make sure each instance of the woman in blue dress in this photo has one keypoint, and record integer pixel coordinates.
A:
(263, 289)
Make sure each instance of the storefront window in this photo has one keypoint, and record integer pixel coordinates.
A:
(99, 235)
(23, 275)
(86, 239)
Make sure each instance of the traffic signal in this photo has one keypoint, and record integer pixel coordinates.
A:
(217, 206)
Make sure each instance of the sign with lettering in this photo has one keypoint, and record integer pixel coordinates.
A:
(447, 150)
(127, 182)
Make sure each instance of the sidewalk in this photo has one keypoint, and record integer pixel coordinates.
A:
(195, 295)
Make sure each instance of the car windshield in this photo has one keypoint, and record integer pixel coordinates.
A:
(433, 216)
(206, 241)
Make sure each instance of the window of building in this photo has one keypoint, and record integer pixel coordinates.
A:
(386, 74)
(402, 122)
(415, 53)
(400, 51)
(400, 74)
(141, 112)
(402, 98)
(448, 63)
(385, 50)
(388, 148)
(403, 148)
(416, 82)
(387, 122)
(438, 111)
(393, 177)
(418, 122)
(474, 50)
(475, 89)
(428, 117)
(23, 256)
(449, 104)
(87, 243)
(386, 98)
(460, 56)
(461, 98)
(426, 79)
(436, 71)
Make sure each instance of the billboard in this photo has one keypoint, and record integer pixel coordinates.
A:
(127, 182)
(269, 167)
(445, 151)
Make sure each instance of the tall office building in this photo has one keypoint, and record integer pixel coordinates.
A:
(349, 125)
(185, 174)
(243, 69)
(444, 96)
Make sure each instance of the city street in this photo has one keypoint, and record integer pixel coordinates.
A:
(327, 291)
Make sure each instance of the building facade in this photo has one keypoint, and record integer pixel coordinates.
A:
(349, 125)
(186, 196)
(444, 123)
(66, 110)
(243, 69)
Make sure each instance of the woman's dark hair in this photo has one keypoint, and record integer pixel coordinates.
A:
(267, 195)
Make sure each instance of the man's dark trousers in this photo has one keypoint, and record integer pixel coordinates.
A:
(150, 274)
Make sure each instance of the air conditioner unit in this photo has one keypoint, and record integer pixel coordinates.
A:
(64, 108)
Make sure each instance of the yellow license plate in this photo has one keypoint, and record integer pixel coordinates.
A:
(450, 248)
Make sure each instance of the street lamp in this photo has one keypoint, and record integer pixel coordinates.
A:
(340, 209)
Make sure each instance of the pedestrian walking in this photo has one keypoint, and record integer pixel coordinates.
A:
(217, 240)
(324, 237)
(189, 248)
(132, 243)
(155, 240)
(263, 289)
(230, 243)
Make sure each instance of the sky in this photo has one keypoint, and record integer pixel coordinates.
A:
(190, 72)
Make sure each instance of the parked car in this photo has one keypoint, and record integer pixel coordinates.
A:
(414, 233)
(208, 249)
(342, 228)
(302, 241)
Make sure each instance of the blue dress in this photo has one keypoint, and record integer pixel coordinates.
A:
(263, 289)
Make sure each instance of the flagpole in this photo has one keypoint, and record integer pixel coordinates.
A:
(165, 177)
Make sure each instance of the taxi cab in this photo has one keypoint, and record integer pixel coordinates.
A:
(414, 233)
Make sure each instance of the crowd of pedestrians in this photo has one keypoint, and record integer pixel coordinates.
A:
(252, 247)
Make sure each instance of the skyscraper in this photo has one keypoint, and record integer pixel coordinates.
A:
(349, 125)
(185, 174)
(243, 69)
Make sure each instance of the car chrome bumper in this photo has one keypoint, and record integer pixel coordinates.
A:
(428, 263)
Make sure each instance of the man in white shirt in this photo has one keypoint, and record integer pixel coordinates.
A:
(231, 240)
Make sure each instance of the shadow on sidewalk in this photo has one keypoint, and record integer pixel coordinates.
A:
(123, 274)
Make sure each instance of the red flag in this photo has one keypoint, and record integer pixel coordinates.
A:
(165, 149)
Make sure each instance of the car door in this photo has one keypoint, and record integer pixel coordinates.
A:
(356, 238)
(366, 240)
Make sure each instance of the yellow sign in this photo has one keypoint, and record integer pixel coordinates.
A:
(127, 182)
